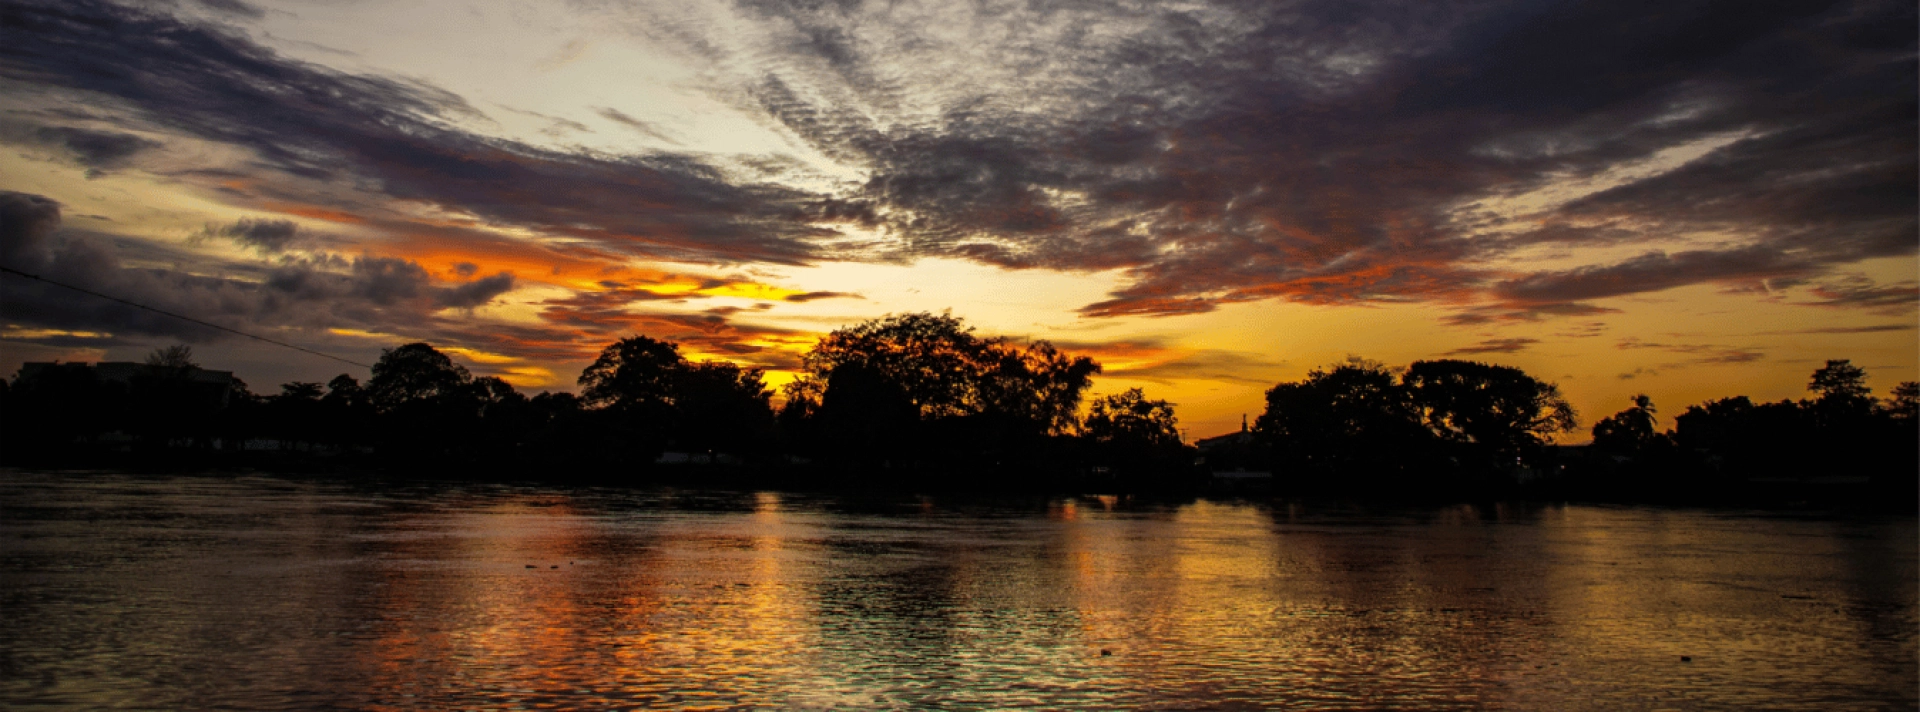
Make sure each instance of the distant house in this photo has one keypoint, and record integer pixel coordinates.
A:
(216, 385)
(1232, 458)
(1224, 444)
(1221, 443)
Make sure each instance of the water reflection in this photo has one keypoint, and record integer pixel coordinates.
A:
(263, 593)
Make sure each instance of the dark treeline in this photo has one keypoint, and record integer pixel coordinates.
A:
(1449, 429)
(918, 401)
(1841, 437)
(911, 401)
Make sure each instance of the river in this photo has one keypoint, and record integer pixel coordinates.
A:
(195, 592)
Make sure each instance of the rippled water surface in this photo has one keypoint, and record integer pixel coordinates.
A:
(199, 592)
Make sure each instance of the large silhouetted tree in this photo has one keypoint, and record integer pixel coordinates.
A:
(1348, 420)
(933, 361)
(1490, 416)
(1439, 424)
(1130, 418)
(414, 373)
(653, 398)
(633, 376)
(1036, 389)
(1134, 435)
(923, 387)
(721, 406)
(1842, 403)
(1840, 381)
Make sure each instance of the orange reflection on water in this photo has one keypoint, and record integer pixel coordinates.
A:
(253, 593)
(764, 599)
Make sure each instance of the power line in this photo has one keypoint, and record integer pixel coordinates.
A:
(210, 325)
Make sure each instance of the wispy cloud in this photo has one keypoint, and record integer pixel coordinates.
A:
(1701, 353)
(1869, 329)
(1495, 346)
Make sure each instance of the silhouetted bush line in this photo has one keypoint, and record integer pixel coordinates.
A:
(1840, 444)
(919, 402)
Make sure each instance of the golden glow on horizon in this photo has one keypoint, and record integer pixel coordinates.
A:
(15, 331)
(478, 356)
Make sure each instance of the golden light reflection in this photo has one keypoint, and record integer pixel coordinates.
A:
(493, 596)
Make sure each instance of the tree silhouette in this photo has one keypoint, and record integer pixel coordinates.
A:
(643, 388)
(413, 373)
(932, 361)
(1740, 437)
(1840, 381)
(1494, 415)
(1129, 421)
(1036, 389)
(1629, 431)
(344, 390)
(1841, 400)
(1348, 420)
(721, 406)
(862, 415)
(1904, 405)
(1438, 424)
(923, 386)
(634, 376)
(178, 357)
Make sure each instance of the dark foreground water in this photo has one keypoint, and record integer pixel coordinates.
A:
(204, 592)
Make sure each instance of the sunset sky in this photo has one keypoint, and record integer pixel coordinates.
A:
(1684, 199)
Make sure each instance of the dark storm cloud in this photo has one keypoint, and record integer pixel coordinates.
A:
(99, 151)
(1321, 152)
(1332, 153)
(27, 223)
(266, 235)
(476, 293)
(233, 7)
(1653, 271)
(319, 124)
(307, 294)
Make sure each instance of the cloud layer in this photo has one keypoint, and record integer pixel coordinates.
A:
(1506, 161)
(1326, 152)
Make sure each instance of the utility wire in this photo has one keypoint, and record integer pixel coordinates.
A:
(10, 270)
